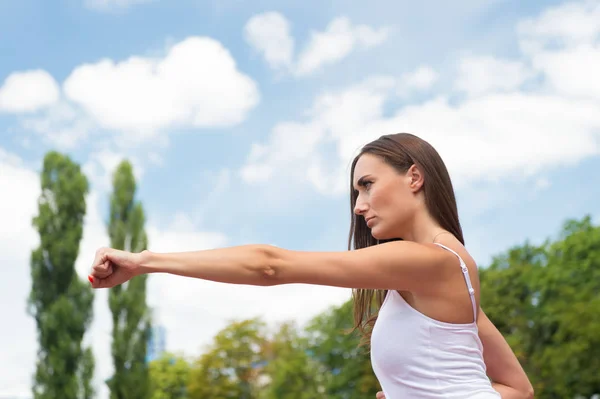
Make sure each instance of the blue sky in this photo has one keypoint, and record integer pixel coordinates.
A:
(241, 119)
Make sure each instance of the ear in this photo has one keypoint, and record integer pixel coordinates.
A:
(415, 178)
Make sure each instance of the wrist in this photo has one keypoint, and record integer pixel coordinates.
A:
(148, 263)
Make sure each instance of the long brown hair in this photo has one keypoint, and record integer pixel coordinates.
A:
(401, 151)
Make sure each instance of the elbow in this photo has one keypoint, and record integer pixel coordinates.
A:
(525, 392)
(268, 256)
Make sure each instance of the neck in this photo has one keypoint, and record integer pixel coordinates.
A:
(423, 229)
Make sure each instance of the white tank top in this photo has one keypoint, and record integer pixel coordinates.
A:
(416, 357)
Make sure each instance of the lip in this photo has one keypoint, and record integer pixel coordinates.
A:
(368, 220)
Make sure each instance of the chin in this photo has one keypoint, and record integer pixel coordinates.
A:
(383, 234)
(380, 234)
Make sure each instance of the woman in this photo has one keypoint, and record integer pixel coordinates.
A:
(428, 337)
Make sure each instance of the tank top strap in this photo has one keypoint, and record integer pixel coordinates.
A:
(465, 271)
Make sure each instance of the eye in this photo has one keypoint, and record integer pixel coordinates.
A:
(365, 182)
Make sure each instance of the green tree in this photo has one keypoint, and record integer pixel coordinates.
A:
(169, 377)
(59, 301)
(509, 296)
(569, 310)
(231, 367)
(546, 302)
(292, 372)
(346, 367)
(130, 314)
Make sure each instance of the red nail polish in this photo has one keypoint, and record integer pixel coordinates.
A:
(91, 279)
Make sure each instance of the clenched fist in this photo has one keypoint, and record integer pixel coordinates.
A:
(112, 267)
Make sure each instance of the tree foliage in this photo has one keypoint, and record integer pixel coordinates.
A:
(546, 301)
(127, 302)
(231, 367)
(292, 371)
(169, 377)
(59, 301)
(345, 365)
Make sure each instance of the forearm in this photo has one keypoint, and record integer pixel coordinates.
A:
(247, 264)
(507, 392)
(505, 371)
(502, 365)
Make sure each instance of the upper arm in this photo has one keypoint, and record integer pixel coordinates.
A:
(398, 265)
(501, 363)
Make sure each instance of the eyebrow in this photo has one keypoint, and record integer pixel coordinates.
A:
(361, 181)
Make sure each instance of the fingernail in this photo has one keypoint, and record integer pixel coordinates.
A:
(91, 279)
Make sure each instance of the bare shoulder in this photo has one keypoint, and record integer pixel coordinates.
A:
(398, 265)
(454, 244)
(449, 302)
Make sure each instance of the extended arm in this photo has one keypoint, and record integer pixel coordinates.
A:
(503, 367)
(398, 265)
(395, 265)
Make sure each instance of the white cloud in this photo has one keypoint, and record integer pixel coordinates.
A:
(100, 166)
(60, 125)
(571, 72)
(488, 138)
(289, 142)
(28, 91)
(542, 183)
(17, 239)
(567, 25)
(196, 84)
(107, 5)
(269, 33)
(563, 45)
(154, 158)
(501, 132)
(338, 40)
(295, 148)
(421, 78)
(484, 74)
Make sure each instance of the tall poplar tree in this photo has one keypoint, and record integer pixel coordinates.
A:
(130, 314)
(60, 302)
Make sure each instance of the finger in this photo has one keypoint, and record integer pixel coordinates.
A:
(93, 280)
(98, 260)
(100, 256)
(99, 276)
(380, 395)
(98, 282)
(103, 282)
(103, 270)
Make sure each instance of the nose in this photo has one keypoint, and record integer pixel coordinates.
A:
(360, 208)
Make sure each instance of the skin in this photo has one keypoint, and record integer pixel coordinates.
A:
(427, 276)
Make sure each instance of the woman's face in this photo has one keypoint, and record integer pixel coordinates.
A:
(386, 198)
